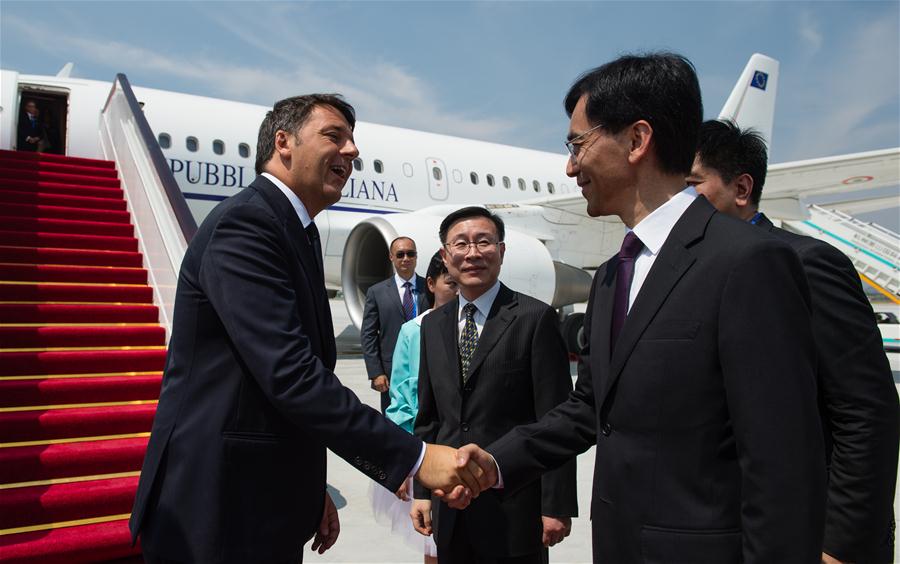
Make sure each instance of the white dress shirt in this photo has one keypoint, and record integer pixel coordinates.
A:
(653, 231)
(483, 304)
(415, 291)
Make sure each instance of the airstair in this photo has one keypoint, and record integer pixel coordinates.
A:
(873, 249)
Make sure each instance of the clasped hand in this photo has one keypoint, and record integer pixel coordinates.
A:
(457, 476)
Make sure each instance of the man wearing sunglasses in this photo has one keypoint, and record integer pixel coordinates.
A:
(390, 304)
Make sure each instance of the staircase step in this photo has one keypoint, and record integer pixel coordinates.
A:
(66, 178)
(65, 460)
(68, 226)
(49, 166)
(99, 542)
(72, 273)
(49, 157)
(87, 257)
(65, 212)
(75, 293)
(49, 424)
(47, 391)
(78, 313)
(82, 362)
(64, 200)
(67, 241)
(69, 336)
(23, 507)
(60, 188)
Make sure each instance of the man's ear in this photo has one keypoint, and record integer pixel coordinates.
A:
(640, 134)
(283, 144)
(743, 185)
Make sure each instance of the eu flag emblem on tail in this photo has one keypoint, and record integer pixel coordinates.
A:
(760, 79)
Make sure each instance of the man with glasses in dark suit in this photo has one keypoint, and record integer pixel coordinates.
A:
(389, 304)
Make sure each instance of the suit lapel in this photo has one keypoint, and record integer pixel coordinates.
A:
(449, 329)
(675, 258)
(421, 290)
(394, 295)
(499, 319)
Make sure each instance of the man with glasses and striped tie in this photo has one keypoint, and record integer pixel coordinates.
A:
(390, 304)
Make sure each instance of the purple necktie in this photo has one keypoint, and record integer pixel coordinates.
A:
(408, 306)
(631, 246)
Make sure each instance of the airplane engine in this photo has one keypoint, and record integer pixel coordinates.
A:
(527, 264)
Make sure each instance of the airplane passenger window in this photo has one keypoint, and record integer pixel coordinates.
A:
(521, 184)
(218, 147)
(457, 176)
(191, 143)
(379, 168)
(244, 150)
(407, 170)
(473, 176)
(165, 141)
(506, 183)
(357, 164)
(436, 173)
(537, 185)
(551, 188)
(564, 187)
(490, 179)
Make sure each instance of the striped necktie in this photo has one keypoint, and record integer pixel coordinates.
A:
(469, 340)
(409, 307)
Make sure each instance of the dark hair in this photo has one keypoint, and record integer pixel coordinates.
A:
(289, 115)
(660, 88)
(466, 213)
(732, 151)
(436, 268)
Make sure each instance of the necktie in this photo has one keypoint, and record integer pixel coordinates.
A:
(313, 233)
(469, 340)
(409, 308)
(631, 246)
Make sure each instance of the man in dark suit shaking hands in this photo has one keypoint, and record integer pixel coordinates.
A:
(699, 383)
(235, 466)
(857, 397)
(490, 360)
(389, 304)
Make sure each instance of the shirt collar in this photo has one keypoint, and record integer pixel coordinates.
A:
(292, 198)
(400, 281)
(484, 302)
(654, 229)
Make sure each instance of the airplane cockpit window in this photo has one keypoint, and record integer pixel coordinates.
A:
(473, 176)
(357, 165)
(521, 184)
(551, 188)
(436, 173)
(379, 168)
(506, 183)
(218, 147)
(165, 141)
(490, 179)
(407, 170)
(537, 185)
(244, 150)
(191, 144)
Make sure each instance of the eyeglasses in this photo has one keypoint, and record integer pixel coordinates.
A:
(460, 248)
(574, 146)
(403, 254)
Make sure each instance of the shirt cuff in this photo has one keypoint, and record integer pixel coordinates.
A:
(418, 463)
(499, 484)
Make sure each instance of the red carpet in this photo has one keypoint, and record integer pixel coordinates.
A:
(81, 358)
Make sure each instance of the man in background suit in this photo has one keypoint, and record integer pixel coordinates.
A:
(699, 382)
(389, 304)
(490, 360)
(857, 398)
(235, 465)
(30, 129)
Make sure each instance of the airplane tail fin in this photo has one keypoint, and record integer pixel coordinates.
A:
(752, 101)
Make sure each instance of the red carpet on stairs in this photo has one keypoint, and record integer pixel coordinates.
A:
(81, 358)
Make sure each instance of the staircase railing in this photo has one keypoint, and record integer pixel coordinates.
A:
(163, 222)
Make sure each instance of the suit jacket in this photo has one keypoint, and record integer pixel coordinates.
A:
(27, 129)
(704, 415)
(519, 371)
(858, 404)
(235, 466)
(382, 318)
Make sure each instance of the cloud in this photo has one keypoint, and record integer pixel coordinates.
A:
(381, 91)
(810, 34)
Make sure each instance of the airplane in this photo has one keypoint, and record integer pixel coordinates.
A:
(405, 181)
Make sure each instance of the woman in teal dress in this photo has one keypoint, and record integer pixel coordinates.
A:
(404, 393)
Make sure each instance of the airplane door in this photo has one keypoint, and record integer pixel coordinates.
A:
(438, 183)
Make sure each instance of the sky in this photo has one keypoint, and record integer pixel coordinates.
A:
(496, 71)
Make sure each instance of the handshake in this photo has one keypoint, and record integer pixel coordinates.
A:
(457, 475)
